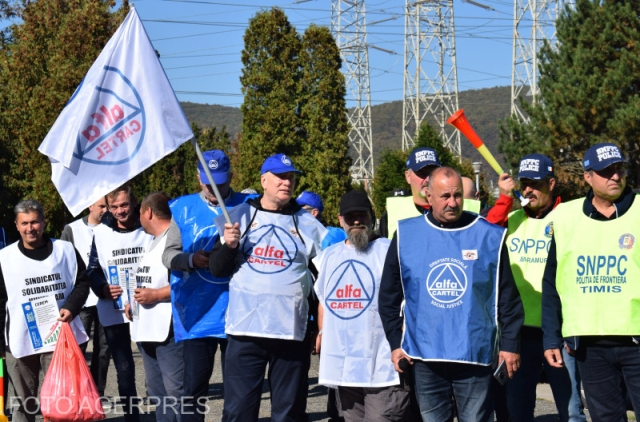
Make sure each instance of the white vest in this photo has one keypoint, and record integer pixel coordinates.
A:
(27, 280)
(355, 351)
(153, 321)
(82, 240)
(119, 255)
(268, 291)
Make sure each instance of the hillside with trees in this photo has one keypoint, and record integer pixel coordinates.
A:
(483, 108)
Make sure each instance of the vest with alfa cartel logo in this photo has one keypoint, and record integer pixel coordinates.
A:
(598, 271)
(528, 245)
(399, 208)
(355, 352)
(450, 281)
(268, 291)
(32, 280)
(198, 299)
(152, 322)
(119, 255)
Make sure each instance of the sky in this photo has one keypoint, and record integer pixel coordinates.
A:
(200, 43)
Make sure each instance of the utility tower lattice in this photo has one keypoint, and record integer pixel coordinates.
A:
(430, 72)
(348, 24)
(533, 22)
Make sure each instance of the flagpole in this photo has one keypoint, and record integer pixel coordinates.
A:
(212, 182)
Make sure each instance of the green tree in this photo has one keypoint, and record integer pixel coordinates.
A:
(42, 61)
(176, 174)
(589, 91)
(295, 104)
(324, 153)
(269, 79)
(389, 175)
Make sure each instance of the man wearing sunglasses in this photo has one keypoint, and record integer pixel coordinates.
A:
(530, 230)
(591, 295)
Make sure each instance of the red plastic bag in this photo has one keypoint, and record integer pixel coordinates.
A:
(68, 392)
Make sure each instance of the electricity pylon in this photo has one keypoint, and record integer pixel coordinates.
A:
(430, 72)
(534, 21)
(348, 24)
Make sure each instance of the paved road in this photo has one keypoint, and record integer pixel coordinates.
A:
(316, 407)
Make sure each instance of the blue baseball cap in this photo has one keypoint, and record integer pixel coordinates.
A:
(535, 167)
(277, 164)
(218, 164)
(422, 157)
(311, 199)
(601, 156)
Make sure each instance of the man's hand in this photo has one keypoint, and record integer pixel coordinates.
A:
(511, 361)
(554, 357)
(396, 356)
(232, 235)
(112, 291)
(65, 315)
(318, 344)
(146, 296)
(200, 259)
(506, 184)
(127, 312)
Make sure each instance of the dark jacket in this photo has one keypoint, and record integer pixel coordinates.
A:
(510, 309)
(551, 305)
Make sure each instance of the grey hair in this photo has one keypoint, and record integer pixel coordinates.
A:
(447, 172)
(28, 206)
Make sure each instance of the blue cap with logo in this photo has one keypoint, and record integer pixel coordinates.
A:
(422, 157)
(277, 164)
(601, 156)
(218, 164)
(535, 167)
(311, 199)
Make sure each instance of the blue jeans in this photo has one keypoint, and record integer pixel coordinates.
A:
(164, 371)
(101, 356)
(521, 389)
(438, 383)
(119, 341)
(245, 364)
(198, 356)
(607, 373)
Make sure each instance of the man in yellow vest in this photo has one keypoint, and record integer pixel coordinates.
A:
(421, 162)
(471, 195)
(590, 294)
(530, 230)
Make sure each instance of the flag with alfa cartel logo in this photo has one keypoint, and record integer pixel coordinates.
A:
(122, 119)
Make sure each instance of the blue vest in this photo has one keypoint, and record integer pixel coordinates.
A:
(450, 281)
(3, 239)
(334, 235)
(198, 299)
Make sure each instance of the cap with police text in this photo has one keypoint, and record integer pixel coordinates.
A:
(218, 164)
(601, 156)
(310, 199)
(422, 157)
(355, 200)
(277, 164)
(535, 167)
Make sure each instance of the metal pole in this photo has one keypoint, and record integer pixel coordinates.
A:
(212, 182)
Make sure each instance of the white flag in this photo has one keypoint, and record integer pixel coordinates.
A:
(122, 118)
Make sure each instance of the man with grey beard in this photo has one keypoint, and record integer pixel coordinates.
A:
(353, 352)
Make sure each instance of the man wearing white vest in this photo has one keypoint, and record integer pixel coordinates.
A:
(461, 305)
(80, 233)
(529, 236)
(115, 256)
(198, 299)
(150, 313)
(590, 293)
(421, 162)
(32, 268)
(347, 287)
(266, 251)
